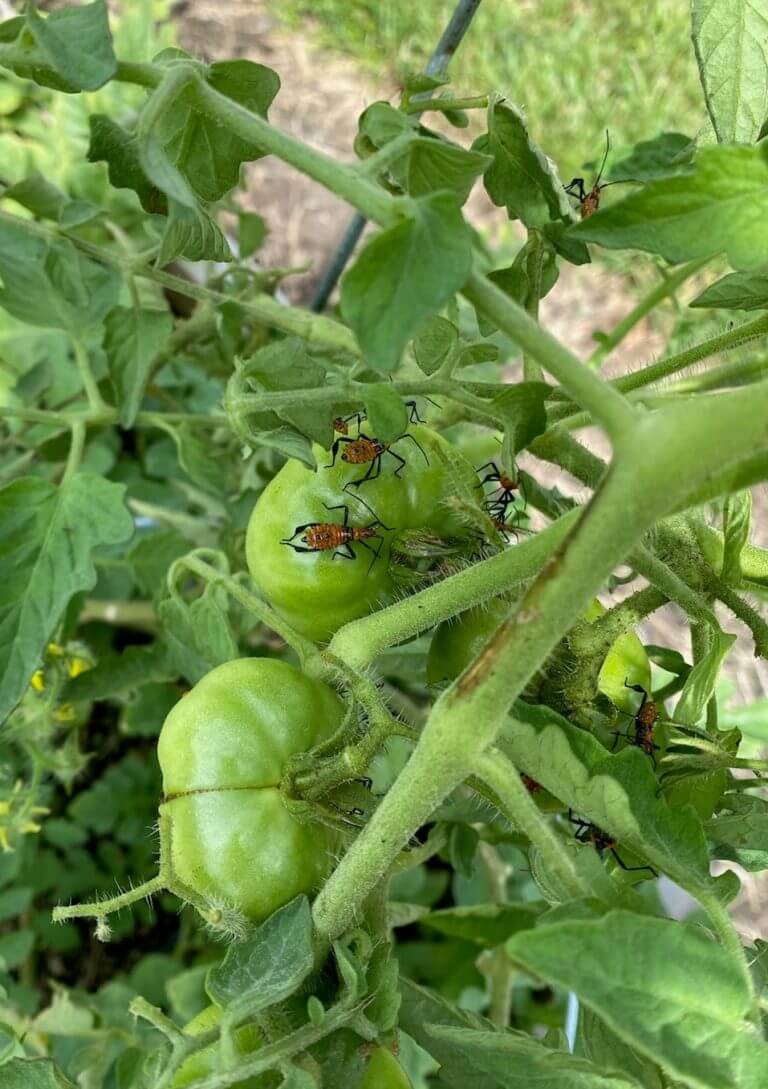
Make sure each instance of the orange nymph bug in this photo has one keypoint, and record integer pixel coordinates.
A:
(587, 832)
(366, 450)
(589, 202)
(643, 723)
(336, 537)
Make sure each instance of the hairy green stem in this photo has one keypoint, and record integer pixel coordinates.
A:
(666, 287)
(360, 641)
(606, 404)
(95, 400)
(730, 940)
(532, 371)
(76, 446)
(472, 102)
(255, 605)
(500, 774)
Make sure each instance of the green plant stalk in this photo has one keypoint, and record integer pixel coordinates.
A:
(472, 102)
(348, 182)
(730, 940)
(466, 719)
(666, 287)
(498, 773)
(754, 560)
(75, 456)
(255, 605)
(664, 368)
(95, 400)
(532, 372)
(360, 642)
(496, 966)
(672, 586)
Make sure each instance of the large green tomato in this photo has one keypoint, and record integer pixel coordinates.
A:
(318, 591)
(222, 751)
(207, 1061)
(384, 1072)
(456, 643)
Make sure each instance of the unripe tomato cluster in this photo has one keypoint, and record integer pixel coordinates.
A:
(319, 589)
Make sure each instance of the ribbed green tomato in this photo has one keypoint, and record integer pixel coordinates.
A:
(384, 1072)
(222, 751)
(318, 591)
(456, 643)
(208, 1060)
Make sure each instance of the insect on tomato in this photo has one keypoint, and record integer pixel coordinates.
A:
(337, 538)
(365, 450)
(311, 590)
(644, 722)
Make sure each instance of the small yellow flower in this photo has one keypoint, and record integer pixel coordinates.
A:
(78, 666)
(38, 680)
(55, 650)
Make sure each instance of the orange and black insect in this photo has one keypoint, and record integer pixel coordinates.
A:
(341, 423)
(586, 832)
(366, 450)
(337, 537)
(504, 495)
(589, 201)
(643, 724)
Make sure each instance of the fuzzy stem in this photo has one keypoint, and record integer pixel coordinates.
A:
(99, 909)
(606, 404)
(532, 371)
(75, 456)
(95, 400)
(666, 287)
(472, 102)
(255, 605)
(500, 774)
(730, 940)
(360, 641)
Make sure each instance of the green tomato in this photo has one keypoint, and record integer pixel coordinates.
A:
(319, 591)
(384, 1072)
(232, 840)
(208, 1060)
(456, 643)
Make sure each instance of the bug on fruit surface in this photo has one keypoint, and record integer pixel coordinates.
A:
(586, 832)
(337, 537)
(643, 724)
(589, 200)
(367, 450)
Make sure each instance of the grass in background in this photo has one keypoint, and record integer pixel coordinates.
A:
(577, 67)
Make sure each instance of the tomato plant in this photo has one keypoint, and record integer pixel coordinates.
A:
(329, 645)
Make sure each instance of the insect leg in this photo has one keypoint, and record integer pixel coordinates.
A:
(631, 869)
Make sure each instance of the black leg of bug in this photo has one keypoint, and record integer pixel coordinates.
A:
(345, 552)
(575, 188)
(632, 869)
(374, 469)
(402, 461)
(340, 506)
(413, 416)
(335, 449)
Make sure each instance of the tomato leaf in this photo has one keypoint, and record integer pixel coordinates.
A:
(434, 343)
(48, 537)
(193, 233)
(251, 232)
(721, 206)
(197, 636)
(132, 339)
(76, 43)
(667, 153)
(33, 1074)
(520, 178)
(737, 524)
(700, 682)
(731, 48)
(617, 793)
(599, 1043)
(404, 275)
(387, 415)
(428, 164)
(737, 291)
(485, 924)
(51, 284)
(473, 1055)
(687, 1009)
(119, 149)
(739, 831)
(185, 141)
(524, 414)
(268, 966)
